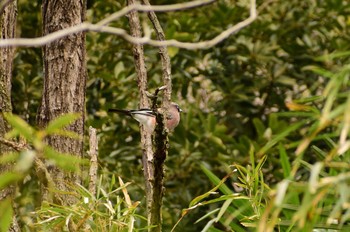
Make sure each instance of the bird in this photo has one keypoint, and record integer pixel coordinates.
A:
(147, 117)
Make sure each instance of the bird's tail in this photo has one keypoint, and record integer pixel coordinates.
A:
(125, 112)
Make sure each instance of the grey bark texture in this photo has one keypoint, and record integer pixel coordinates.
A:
(64, 86)
(153, 161)
(153, 196)
(8, 16)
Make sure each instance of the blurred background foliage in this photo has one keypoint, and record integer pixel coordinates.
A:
(233, 95)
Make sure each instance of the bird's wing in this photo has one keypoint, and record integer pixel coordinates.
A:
(145, 112)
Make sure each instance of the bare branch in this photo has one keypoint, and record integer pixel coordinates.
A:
(93, 143)
(153, 217)
(164, 56)
(149, 8)
(15, 146)
(99, 27)
(4, 4)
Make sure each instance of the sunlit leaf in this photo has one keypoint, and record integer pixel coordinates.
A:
(6, 214)
(8, 157)
(20, 126)
(279, 137)
(8, 178)
(65, 161)
(56, 125)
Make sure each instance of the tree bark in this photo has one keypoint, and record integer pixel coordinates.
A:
(154, 191)
(161, 136)
(8, 15)
(64, 85)
(153, 161)
(7, 30)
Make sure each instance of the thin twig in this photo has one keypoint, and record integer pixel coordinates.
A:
(161, 134)
(15, 146)
(93, 143)
(86, 26)
(154, 97)
(146, 141)
(148, 8)
(164, 56)
(4, 4)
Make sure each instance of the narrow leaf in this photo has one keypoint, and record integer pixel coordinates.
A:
(8, 178)
(284, 161)
(20, 125)
(6, 214)
(279, 137)
(60, 122)
(65, 161)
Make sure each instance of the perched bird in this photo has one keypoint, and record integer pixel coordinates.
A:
(148, 118)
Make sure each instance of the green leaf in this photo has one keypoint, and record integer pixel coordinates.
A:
(211, 123)
(65, 161)
(284, 161)
(223, 209)
(207, 215)
(6, 214)
(199, 198)
(309, 99)
(217, 141)
(20, 126)
(172, 51)
(67, 133)
(9, 157)
(118, 69)
(59, 123)
(333, 55)
(318, 70)
(259, 127)
(216, 180)
(8, 178)
(279, 137)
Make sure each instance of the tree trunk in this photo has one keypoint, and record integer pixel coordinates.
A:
(7, 30)
(64, 85)
(153, 194)
(8, 15)
(153, 161)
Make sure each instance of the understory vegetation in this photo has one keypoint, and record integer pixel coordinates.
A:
(263, 142)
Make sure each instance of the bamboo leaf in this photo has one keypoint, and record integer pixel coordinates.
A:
(286, 167)
(6, 214)
(19, 127)
(9, 178)
(59, 123)
(65, 161)
(279, 137)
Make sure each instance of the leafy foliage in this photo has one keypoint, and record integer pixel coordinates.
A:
(31, 150)
(271, 102)
(92, 213)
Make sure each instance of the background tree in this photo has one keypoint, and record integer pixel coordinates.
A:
(8, 15)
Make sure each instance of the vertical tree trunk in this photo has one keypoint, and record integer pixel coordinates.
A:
(8, 15)
(153, 195)
(64, 84)
(161, 138)
(7, 30)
